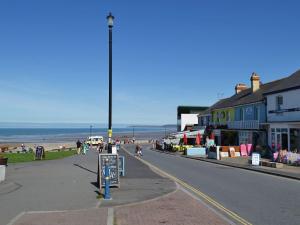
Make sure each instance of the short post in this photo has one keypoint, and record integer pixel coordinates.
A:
(107, 182)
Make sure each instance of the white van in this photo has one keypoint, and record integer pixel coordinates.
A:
(94, 140)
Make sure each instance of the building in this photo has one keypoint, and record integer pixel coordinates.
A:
(241, 118)
(188, 116)
(283, 113)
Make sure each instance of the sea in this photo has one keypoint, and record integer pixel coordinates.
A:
(27, 135)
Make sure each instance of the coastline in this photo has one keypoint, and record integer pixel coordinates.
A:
(69, 140)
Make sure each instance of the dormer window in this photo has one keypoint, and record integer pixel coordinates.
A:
(279, 102)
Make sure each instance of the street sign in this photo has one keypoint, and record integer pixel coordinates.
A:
(113, 164)
(255, 159)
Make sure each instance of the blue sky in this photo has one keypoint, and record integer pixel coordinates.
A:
(54, 56)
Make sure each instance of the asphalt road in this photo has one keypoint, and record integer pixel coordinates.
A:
(258, 198)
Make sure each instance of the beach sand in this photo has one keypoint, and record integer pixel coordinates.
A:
(59, 144)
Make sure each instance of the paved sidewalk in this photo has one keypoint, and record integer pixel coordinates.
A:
(76, 217)
(177, 208)
(144, 198)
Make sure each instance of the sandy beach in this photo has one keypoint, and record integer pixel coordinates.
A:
(67, 143)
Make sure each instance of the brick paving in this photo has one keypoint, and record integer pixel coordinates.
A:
(177, 208)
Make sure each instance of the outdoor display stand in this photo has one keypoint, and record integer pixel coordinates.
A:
(196, 152)
(255, 159)
(39, 153)
(122, 165)
(113, 164)
(214, 152)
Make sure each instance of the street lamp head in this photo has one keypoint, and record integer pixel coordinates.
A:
(110, 20)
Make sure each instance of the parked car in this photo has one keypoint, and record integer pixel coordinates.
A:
(94, 140)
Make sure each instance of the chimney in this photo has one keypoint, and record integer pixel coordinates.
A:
(255, 82)
(239, 88)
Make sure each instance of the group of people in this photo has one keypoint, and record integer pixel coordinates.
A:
(82, 148)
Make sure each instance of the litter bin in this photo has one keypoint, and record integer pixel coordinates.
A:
(3, 161)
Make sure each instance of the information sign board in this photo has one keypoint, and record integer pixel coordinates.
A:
(113, 164)
(255, 159)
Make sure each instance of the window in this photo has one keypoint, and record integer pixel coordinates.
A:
(218, 117)
(295, 140)
(256, 113)
(279, 102)
(241, 114)
(227, 116)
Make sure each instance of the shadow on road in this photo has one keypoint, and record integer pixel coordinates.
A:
(82, 167)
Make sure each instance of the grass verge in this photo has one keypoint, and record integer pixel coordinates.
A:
(28, 157)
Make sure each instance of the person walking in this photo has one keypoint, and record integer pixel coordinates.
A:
(85, 148)
(100, 147)
(78, 144)
(138, 150)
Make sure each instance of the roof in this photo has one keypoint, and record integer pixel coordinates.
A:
(247, 96)
(190, 109)
(287, 83)
(208, 110)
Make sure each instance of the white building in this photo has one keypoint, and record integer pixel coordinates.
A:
(188, 115)
(188, 120)
(283, 113)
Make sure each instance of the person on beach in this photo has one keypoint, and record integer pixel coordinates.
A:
(78, 144)
(23, 148)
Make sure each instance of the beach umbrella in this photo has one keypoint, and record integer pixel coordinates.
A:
(198, 139)
(184, 139)
(212, 136)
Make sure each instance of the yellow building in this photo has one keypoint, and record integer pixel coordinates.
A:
(222, 116)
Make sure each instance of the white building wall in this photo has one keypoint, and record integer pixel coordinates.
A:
(291, 99)
(188, 119)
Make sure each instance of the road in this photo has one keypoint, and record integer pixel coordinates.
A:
(256, 197)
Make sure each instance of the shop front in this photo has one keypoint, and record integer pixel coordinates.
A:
(285, 136)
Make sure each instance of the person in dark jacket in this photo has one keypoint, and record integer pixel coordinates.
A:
(78, 144)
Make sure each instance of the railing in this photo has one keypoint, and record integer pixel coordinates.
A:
(218, 123)
(247, 124)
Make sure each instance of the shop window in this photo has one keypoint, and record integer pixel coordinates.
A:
(273, 146)
(284, 141)
(295, 140)
(279, 102)
(284, 130)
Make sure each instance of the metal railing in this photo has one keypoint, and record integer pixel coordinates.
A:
(247, 124)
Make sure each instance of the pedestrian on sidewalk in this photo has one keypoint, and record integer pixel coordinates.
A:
(138, 150)
(85, 148)
(78, 144)
(100, 147)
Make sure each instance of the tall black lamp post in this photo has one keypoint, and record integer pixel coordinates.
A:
(110, 21)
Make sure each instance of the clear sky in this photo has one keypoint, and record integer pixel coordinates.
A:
(54, 55)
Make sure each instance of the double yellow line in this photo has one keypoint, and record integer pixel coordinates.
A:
(197, 192)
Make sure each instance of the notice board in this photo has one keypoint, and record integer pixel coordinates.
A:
(113, 164)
